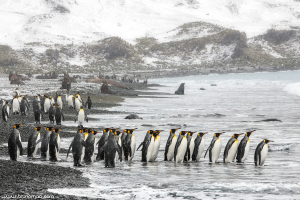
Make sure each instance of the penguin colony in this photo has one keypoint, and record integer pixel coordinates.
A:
(111, 146)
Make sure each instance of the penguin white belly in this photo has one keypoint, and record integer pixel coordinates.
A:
(133, 146)
(7, 109)
(46, 105)
(215, 152)
(60, 103)
(70, 101)
(192, 146)
(246, 151)
(83, 148)
(232, 152)
(150, 149)
(200, 150)
(170, 154)
(16, 105)
(120, 144)
(155, 148)
(36, 146)
(181, 150)
(263, 154)
(77, 104)
(47, 154)
(57, 150)
(80, 117)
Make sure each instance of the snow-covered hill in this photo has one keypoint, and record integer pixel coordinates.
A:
(149, 34)
(77, 21)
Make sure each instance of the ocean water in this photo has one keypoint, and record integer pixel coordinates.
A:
(239, 103)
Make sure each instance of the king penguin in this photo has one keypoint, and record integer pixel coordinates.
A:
(119, 142)
(170, 145)
(130, 145)
(5, 111)
(38, 114)
(54, 145)
(81, 117)
(14, 143)
(45, 144)
(190, 146)
(71, 101)
(16, 105)
(52, 113)
(101, 142)
(199, 147)
(147, 146)
(90, 147)
(77, 146)
(33, 142)
(59, 116)
(261, 152)
(59, 102)
(243, 148)
(231, 149)
(47, 104)
(88, 103)
(110, 148)
(180, 147)
(214, 148)
(77, 104)
(156, 145)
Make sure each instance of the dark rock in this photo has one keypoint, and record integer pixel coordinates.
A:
(180, 90)
(133, 116)
(105, 89)
(202, 88)
(213, 84)
(277, 37)
(271, 120)
(215, 115)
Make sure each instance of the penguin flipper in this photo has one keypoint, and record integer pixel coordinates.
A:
(142, 144)
(118, 149)
(69, 148)
(241, 151)
(102, 148)
(207, 151)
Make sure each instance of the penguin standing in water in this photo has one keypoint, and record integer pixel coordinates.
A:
(119, 142)
(231, 149)
(199, 147)
(59, 115)
(14, 143)
(52, 113)
(45, 144)
(101, 142)
(38, 114)
(90, 147)
(214, 148)
(170, 145)
(110, 148)
(123, 143)
(243, 148)
(148, 145)
(16, 105)
(180, 147)
(81, 117)
(34, 103)
(156, 145)
(47, 104)
(33, 142)
(54, 145)
(77, 147)
(130, 145)
(5, 111)
(42, 100)
(59, 102)
(261, 152)
(88, 102)
(190, 146)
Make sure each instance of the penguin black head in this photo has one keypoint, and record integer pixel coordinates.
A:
(267, 141)
(249, 133)
(16, 126)
(6, 102)
(156, 133)
(94, 132)
(81, 107)
(49, 128)
(201, 134)
(106, 130)
(80, 130)
(236, 136)
(38, 128)
(183, 133)
(173, 130)
(218, 134)
(150, 132)
(130, 131)
(118, 132)
(56, 130)
(113, 130)
(190, 133)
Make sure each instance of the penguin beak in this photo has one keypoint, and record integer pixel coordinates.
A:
(204, 133)
(239, 134)
(271, 141)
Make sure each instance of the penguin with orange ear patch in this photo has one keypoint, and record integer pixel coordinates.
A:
(54, 145)
(89, 152)
(14, 143)
(33, 142)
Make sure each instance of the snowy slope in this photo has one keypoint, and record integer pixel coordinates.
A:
(78, 21)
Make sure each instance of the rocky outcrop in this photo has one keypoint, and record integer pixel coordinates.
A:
(180, 90)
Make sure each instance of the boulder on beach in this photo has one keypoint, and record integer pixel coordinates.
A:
(133, 116)
(213, 84)
(202, 88)
(104, 88)
(180, 90)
